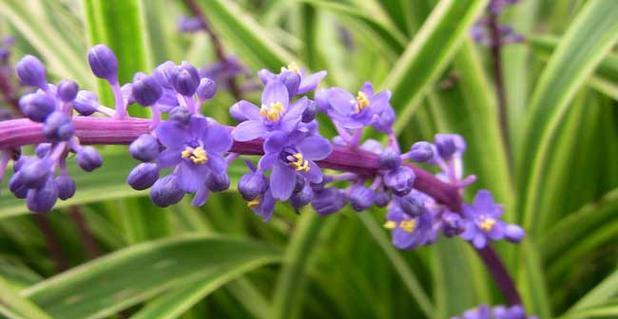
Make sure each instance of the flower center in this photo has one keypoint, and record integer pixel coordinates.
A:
(272, 112)
(254, 203)
(297, 162)
(196, 155)
(293, 67)
(362, 102)
(487, 223)
(408, 225)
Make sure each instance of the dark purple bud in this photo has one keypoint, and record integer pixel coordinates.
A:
(302, 198)
(410, 205)
(381, 199)
(37, 106)
(310, 112)
(21, 162)
(43, 149)
(42, 200)
(218, 182)
(328, 201)
(103, 63)
(421, 152)
(35, 173)
(31, 71)
(67, 90)
(186, 81)
(89, 159)
(165, 74)
(251, 185)
(452, 224)
(449, 144)
(66, 187)
(58, 127)
(143, 176)
(514, 233)
(389, 159)
(361, 197)
(180, 115)
(86, 103)
(400, 181)
(207, 89)
(145, 148)
(17, 187)
(291, 80)
(147, 90)
(166, 192)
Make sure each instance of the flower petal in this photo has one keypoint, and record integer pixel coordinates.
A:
(168, 158)
(249, 130)
(282, 181)
(315, 147)
(197, 126)
(217, 138)
(190, 177)
(294, 114)
(309, 83)
(267, 161)
(172, 135)
(201, 196)
(314, 174)
(341, 101)
(274, 92)
(249, 110)
(216, 163)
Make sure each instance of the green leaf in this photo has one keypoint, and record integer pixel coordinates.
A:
(13, 306)
(605, 291)
(582, 48)
(132, 275)
(428, 54)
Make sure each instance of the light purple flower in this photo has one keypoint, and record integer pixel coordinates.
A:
(409, 231)
(304, 83)
(497, 312)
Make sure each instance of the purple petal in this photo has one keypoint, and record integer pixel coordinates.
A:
(217, 138)
(275, 142)
(309, 83)
(342, 101)
(274, 92)
(282, 181)
(172, 135)
(216, 163)
(201, 196)
(190, 177)
(479, 241)
(267, 161)
(315, 148)
(294, 114)
(197, 126)
(249, 130)
(249, 110)
(314, 174)
(367, 88)
(168, 158)
(403, 239)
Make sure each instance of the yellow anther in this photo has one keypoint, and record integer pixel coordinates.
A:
(299, 163)
(293, 67)
(408, 225)
(362, 102)
(196, 155)
(390, 224)
(272, 112)
(487, 224)
(254, 202)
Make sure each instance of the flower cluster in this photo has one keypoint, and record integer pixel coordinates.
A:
(481, 31)
(497, 312)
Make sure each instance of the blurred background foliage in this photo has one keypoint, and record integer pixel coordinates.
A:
(557, 176)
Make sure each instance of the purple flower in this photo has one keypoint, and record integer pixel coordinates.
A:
(409, 231)
(263, 205)
(195, 151)
(497, 312)
(275, 114)
(296, 79)
(190, 24)
(290, 157)
(482, 221)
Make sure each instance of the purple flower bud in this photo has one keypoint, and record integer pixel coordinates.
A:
(145, 148)
(17, 187)
(86, 103)
(43, 149)
(310, 112)
(449, 144)
(207, 89)
(190, 24)
(410, 205)
(186, 80)
(453, 225)
(251, 185)
(165, 73)
(302, 198)
(361, 197)
(389, 159)
(31, 71)
(66, 187)
(381, 199)
(103, 63)
(421, 152)
(147, 90)
(400, 181)
(180, 115)
(514, 233)
(291, 80)
(42, 200)
(328, 201)
(35, 173)
(67, 90)
(58, 127)
(166, 192)
(218, 182)
(143, 176)
(89, 159)
(37, 106)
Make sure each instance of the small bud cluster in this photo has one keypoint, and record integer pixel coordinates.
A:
(497, 312)
(481, 30)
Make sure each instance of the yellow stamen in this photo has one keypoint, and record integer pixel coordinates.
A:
(298, 162)
(362, 102)
(294, 68)
(254, 202)
(390, 224)
(272, 112)
(487, 224)
(408, 225)
(196, 155)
